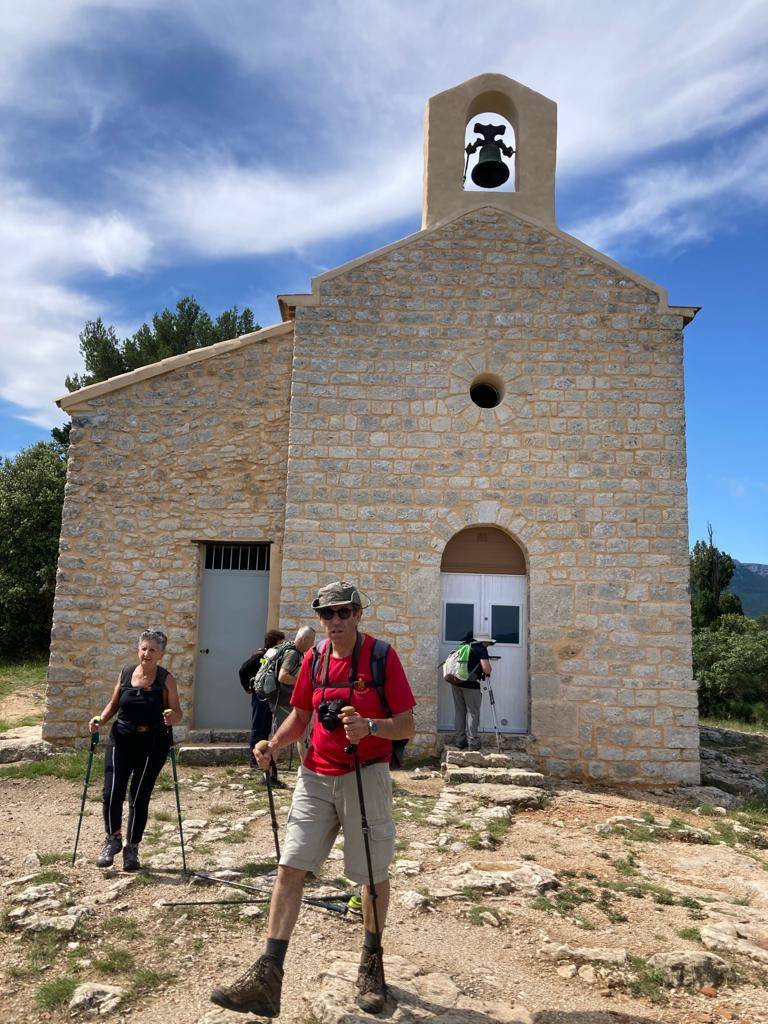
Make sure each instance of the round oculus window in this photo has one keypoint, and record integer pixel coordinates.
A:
(486, 390)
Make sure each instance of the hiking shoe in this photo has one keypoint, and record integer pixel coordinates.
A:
(371, 991)
(257, 991)
(131, 860)
(112, 846)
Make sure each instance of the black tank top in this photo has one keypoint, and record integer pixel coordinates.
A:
(140, 707)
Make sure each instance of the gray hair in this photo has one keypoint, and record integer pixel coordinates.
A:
(155, 636)
(304, 631)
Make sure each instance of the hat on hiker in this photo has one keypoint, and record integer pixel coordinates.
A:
(338, 593)
(484, 638)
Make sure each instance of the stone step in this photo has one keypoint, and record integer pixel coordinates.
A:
(213, 753)
(454, 776)
(218, 736)
(478, 759)
(513, 797)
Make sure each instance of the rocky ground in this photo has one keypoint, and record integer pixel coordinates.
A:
(514, 900)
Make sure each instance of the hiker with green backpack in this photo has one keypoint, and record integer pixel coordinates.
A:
(463, 669)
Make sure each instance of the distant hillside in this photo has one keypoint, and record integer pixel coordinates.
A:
(750, 583)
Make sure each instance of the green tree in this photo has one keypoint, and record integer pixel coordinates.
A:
(711, 572)
(31, 498)
(170, 334)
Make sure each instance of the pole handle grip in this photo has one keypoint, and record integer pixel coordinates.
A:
(261, 746)
(350, 747)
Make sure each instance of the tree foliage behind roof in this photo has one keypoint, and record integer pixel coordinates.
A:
(171, 333)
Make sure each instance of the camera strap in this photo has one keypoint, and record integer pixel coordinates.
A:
(352, 668)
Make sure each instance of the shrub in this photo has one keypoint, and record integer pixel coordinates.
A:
(730, 663)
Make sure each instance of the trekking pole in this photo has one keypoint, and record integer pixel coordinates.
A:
(94, 741)
(262, 745)
(333, 903)
(176, 787)
(351, 748)
(493, 712)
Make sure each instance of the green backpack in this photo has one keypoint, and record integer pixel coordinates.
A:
(456, 665)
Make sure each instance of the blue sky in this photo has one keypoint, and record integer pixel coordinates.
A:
(234, 149)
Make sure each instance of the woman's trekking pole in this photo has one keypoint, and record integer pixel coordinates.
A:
(352, 749)
(94, 741)
(176, 787)
(261, 745)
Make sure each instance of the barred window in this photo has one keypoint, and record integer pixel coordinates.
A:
(237, 556)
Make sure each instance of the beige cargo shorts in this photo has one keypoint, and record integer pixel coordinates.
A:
(323, 804)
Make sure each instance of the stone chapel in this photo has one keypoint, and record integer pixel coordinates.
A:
(481, 425)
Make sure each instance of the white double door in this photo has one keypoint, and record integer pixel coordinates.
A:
(482, 603)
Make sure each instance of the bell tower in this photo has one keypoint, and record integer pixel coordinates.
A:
(534, 121)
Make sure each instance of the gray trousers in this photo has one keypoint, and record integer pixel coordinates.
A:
(467, 706)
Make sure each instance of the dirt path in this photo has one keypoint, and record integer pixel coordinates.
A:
(619, 891)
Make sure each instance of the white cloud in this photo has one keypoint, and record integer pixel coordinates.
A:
(674, 203)
(220, 209)
(41, 313)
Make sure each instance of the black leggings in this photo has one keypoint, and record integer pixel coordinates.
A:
(138, 757)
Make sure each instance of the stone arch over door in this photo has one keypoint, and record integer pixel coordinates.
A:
(484, 588)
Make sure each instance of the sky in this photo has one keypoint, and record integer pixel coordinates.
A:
(234, 149)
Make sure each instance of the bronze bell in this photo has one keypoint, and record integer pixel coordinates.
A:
(490, 171)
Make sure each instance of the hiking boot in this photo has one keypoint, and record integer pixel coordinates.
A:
(370, 983)
(112, 846)
(131, 860)
(257, 991)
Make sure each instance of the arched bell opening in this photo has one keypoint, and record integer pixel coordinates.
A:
(490, 145)
(484, 590)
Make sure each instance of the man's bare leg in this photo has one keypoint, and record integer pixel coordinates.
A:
(382, 905)
(285, 904)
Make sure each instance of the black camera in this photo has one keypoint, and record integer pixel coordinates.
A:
(329, 713)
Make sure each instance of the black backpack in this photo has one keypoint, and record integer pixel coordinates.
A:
(379, 653)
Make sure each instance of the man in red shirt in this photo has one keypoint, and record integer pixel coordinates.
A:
(326, 798)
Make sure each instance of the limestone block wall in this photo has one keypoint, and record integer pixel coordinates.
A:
(583, 463)
(195, 453)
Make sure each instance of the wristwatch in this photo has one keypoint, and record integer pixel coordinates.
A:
(372, 727)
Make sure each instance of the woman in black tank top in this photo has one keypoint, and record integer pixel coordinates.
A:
(146, 702)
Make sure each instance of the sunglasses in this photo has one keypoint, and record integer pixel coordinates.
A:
(326, 614)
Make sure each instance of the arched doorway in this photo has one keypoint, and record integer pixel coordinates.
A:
(484, 589)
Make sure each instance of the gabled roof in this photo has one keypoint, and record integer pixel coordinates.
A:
(288, 303)
(73, 400)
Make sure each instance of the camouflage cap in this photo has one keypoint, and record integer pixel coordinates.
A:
(338, 593)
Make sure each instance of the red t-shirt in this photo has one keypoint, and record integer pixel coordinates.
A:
(326, 754)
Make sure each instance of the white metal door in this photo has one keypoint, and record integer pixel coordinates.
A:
(477, 603)
(234, 599)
